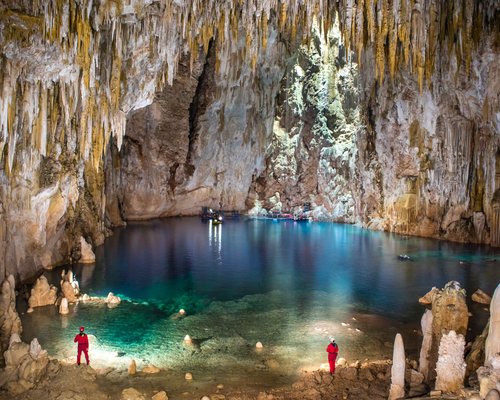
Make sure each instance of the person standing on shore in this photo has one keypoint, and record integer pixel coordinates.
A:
(333, 351)
(83, 345)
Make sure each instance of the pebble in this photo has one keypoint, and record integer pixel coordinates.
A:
(188, 376)
(259, 345)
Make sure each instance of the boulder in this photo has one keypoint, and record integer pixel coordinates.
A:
(150, 369)
(132, 394)
(450, 367)
(426, 324)
(397, 389)
(480, 297)
(160, 396)
(63, 307)
(87, 255)
(492, 346)
(42, 294)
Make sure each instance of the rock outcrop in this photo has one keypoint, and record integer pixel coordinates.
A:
(42, 294)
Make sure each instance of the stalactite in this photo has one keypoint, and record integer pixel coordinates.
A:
(401, 33)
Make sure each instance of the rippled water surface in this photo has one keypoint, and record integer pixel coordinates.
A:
(289, 285)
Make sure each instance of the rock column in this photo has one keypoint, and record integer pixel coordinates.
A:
(450, 313)
(450, 366)
(398, 370)
(426, 324)
(492, 347)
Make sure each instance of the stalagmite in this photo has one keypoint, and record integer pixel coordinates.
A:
(87, 254)
(42, 293)
(132, 368)
(63, 307)
(10, 323)
(397, 390)
(450, 367)
(450, 313)
(492, 347)
(426, 324)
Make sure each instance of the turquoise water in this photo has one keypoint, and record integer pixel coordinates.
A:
(289, 285)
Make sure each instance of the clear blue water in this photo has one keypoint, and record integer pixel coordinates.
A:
(287, 284)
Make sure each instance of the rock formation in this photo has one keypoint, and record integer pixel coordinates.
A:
(426, 324)
(480, 297)
(25, 365)
(489, 378)
(112, 300)
(42, 293)
(87, 254)
(68, 291)
(63, 307)
(492, 347)
(10, 323)
(397, 390)
(450, 367)
(450, 313)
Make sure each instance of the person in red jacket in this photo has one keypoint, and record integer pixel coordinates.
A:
(333, 351)
(83, 345)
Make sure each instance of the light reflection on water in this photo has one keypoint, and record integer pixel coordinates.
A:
(289, 285)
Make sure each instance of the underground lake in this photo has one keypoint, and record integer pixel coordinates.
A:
(289, 285)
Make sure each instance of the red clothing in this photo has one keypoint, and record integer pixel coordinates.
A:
(333, 351)
(83, 345)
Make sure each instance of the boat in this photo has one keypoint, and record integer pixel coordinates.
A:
(302, 218)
